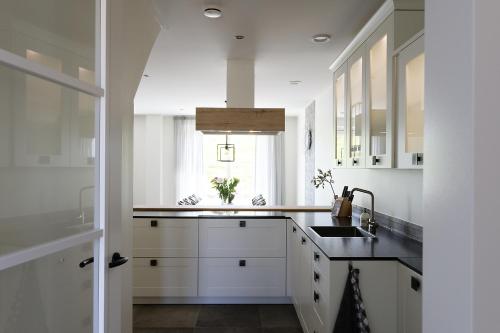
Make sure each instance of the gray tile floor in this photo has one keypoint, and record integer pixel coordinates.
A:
(215, 319)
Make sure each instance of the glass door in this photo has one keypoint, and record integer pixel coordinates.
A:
(339, 118)
(51, 209)
(411, 66)
(356, 121)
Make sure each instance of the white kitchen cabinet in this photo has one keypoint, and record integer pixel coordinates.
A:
(409, 300)
(165, 237)
(242, 277)
(165, 277)
(410, 76)
(339, 117)
(289, 262)
(258, 238)
(356, 150)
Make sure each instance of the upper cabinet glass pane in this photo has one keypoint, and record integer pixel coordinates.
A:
(60, 29)
(378, 97)
(356, 90)
(415, 105)
(340, 117)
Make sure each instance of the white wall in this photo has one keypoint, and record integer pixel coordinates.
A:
(398, 193)
(290, 180)
(461, 181)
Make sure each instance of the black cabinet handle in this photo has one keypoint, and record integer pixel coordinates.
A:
(243, 224)
(339, 163)
(154, 223)
(316, 256)
(315, 297)
(294, 229)
(375, 160)
(316, 276)
(86, 262)
(117, 260)
(415, 283)
(243, 263)
(153, 262)
(303, 241)
(354, 162)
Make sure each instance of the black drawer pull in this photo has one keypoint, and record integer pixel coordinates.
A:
(243, 224)
(316, 277)
(415, 283)
(316, 256)
(154, 223)
(294, 229)
(315, 297)
(303, 241)
(243, 263)
(86, 262)
(153, 262)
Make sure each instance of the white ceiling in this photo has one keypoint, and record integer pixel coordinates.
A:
(187, 65)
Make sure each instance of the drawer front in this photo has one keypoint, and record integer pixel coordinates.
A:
(165, 237)
(320, 274)
(176, 277)
(242, 277)
(320, 304)
(261, 238)
(320, 262)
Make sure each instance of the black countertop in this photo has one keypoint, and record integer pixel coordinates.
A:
(386, 246)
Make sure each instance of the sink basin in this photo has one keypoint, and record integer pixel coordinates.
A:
(348, 231)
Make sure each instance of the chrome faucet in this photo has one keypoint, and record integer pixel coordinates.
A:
(80, 202)
(372, 225)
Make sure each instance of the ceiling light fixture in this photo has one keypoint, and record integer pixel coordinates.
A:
(147, 75)
(321, 38)
(239, 37)
(295, 82)
(212, 12)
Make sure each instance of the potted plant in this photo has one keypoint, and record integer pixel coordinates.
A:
(324, 177)
(226, 187)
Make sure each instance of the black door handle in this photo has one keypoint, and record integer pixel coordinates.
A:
(117, 260)
(86, 262)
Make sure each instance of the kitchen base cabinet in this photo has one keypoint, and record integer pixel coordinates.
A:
(242, 277)
(165, 277)
(409, 301)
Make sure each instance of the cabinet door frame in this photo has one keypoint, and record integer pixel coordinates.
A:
(381, 161)
(409, 52)
(342, 162)
(351, 162)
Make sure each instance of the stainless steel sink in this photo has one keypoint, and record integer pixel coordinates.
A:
(349, 231)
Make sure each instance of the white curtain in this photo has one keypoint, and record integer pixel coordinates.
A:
(269, 168)
(189, 158)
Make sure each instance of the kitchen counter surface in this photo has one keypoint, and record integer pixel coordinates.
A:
(387, 245)
(231, 208)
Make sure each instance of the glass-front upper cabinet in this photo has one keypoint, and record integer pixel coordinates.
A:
(339, 116)
(410, 63)
(379, 116)
(356, 110)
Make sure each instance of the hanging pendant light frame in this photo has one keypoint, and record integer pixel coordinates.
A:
(226, 151)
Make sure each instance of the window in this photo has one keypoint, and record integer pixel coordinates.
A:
(243, 167)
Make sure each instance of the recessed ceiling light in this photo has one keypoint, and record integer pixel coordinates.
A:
(147, 75)
(212, 12)
(239, 36)
(295, 82)
(321, 38)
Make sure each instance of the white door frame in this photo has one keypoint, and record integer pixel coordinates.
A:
(98, 235)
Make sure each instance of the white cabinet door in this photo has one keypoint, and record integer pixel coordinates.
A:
(162, 277)
(356, 108)
(339, 117)
(379, 115)
(242, 277)
(259, 238)
(410, 76)
(165, 237)
(409, 301)
(289, 258)
(304, 284)
(294, 260)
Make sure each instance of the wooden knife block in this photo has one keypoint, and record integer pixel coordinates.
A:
(342, 207)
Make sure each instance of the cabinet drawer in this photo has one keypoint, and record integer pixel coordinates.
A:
(321, 263)
(242, 277)
(165, 277)
(320, 305)
(165, 237)
(233, 238)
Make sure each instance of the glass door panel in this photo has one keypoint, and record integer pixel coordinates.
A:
(51, 294)
(378, 97)
(340, 120)
(414, 107)
(356, 110)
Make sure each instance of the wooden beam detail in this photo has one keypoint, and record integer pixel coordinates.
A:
(240, 120)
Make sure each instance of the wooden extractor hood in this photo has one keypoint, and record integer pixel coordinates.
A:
(240, 116)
